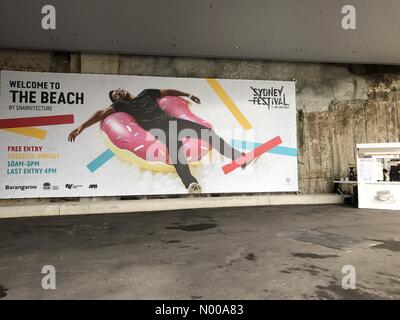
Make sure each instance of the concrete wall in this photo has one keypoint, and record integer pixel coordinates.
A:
(338, 105)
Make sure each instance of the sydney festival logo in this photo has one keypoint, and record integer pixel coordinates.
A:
(274, 98)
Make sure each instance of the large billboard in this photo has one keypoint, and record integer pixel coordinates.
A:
(104, 135)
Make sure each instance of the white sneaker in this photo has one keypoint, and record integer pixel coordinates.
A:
(194, 187)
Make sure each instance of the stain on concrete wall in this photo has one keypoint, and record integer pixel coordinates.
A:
(338, 105)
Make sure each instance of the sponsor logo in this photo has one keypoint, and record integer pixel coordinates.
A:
(273, 98)
(22, 188)
(71, 186)
(46, 186)
(92, 186)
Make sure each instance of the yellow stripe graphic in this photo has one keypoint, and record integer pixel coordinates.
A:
(232, 107)
(29, 131)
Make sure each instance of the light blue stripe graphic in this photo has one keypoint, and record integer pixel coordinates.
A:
(284, 151)
(100, 160)
(249, 145)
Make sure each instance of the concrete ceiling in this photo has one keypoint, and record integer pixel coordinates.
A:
(308, 30)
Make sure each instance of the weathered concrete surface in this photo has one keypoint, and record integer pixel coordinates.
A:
(100, 63)
(327, 139)
(338, 105)
(39, 61)
(257, 253)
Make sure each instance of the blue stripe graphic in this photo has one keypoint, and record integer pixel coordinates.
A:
(100, 160)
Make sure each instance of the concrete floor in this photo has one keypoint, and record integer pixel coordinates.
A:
(289, 252)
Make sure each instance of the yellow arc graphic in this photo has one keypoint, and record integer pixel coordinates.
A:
(232, 107)
(29, 131)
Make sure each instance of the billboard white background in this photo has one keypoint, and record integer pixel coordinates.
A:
(270, 173)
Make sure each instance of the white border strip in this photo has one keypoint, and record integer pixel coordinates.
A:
(121, 206)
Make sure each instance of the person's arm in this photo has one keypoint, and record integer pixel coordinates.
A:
(172, 92)
(96, 117)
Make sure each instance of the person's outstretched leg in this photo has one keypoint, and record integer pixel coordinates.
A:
(209, 135)
(182, 167)
(222, 146)
(175, 151)
(179, 161)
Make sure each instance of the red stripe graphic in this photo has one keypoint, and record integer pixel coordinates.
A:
(36, 121)
(252, 155)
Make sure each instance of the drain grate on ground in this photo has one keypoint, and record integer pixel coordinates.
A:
(332, 240)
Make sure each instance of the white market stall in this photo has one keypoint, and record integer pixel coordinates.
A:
(378, 175)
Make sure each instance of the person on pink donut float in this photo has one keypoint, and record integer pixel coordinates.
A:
(146, 111)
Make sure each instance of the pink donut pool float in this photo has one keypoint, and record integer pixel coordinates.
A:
(125, 133)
